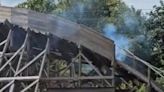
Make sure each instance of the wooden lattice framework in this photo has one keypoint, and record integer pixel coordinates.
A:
(16, 71)
(21, 70)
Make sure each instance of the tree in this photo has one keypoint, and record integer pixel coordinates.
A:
(155, 27)
(38, 5)
(93, 13)
(140, 40)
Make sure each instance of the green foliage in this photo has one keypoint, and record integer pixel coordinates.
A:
(142, 88)
(155, 26)
(93, 13)
(160, 81)
(38, 5)
(131, 24)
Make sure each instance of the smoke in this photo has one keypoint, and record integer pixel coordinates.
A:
(130, 20)
(129, 36)
(82, 12)
(74, 12)
(110, 31)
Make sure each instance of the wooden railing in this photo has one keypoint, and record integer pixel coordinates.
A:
(145, 75)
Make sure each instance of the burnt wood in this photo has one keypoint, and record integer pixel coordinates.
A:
(73, 32)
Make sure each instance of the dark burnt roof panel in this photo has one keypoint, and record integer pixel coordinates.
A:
(65, 29)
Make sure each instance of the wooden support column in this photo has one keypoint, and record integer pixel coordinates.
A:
(149, 80)
(134, 63)
(73, 72)
(48, 68)
(113, 68)
(43, 62)
(56, 68)
(80, 65)
(20, 59)
(72, 69)
(5, 47)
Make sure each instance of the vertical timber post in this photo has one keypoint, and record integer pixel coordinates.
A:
(79, 61)
(113, 68)
(56, 68)
(5, 46)
(149, 80)
(20, 59)
(134, 63)
(43, 62)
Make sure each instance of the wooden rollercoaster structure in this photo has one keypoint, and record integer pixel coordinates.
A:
(45, 53)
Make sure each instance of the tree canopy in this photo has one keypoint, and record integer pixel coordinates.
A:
(93, 13)
(155, 28)
(38, 5)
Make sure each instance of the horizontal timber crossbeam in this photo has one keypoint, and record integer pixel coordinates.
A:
(23, 78)
(77, 78)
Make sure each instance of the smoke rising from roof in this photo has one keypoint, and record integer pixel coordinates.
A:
(110, 31)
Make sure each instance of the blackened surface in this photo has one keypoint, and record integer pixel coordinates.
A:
(18, 37)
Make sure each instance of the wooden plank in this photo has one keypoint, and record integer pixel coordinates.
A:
(23, 78)
(64, 29)
(82, 90)
(37, 21)
(76, 78)
(4, 8)
(5, 13)
(19, 17)
(96, 43)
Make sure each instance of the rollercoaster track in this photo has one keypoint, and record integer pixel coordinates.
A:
(60, 27)
(68, 35)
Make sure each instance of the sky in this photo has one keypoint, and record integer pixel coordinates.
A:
(10, 3)
(145, 5)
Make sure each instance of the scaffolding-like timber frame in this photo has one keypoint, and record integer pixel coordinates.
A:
(32, 82)
(20, 72)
